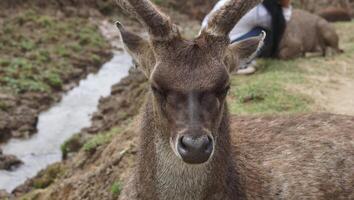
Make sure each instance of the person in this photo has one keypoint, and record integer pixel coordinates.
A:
(270, 16)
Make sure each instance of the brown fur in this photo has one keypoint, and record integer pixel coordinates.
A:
(302, 157)
(189, 81)
(306, 32)
(335, 14)
(222, 21)
(157, 24)
(314, 6)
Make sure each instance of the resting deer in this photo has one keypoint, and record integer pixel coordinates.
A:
(333, 14)
(187, 149)
(308, 33)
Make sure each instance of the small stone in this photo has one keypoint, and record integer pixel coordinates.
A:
(4, 194)
(9, 162)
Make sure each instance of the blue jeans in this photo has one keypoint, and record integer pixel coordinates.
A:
(253, 33)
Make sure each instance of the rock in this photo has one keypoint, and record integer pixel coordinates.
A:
(5, 132)
(7, 101)
(6, 97)
(9, 162)
(4, 194)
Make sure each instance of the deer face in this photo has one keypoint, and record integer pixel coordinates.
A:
(191, 105)
(189, 79)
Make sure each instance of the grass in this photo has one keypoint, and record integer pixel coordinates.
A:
(38, 50)
(274, 88)
(73, 144)
(116, 189)
(101, 139)
(267, 91)
(3, 106)
(48, 176)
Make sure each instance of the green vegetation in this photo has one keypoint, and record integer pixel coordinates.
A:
(268, 91)
(116, 189)
(37, 51)
(3, 106)
(100, 139)
(159, 2)
(47, 177)
(73, 144)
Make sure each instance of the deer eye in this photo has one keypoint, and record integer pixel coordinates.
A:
(223, 92)
(158, 91)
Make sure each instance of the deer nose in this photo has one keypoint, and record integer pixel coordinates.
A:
(195, 150)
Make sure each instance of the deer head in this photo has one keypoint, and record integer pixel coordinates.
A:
(189, 79)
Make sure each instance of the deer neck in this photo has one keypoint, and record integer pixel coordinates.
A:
(167, 177)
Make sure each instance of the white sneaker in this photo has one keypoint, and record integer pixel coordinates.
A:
(250, 69)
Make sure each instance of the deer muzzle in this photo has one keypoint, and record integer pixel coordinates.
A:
(195, 149)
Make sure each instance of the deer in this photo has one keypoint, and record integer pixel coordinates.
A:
(308, 33)
(333, 14)
(188, 146)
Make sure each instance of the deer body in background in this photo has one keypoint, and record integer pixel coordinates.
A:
(186, 145)
(333, 14)
(308, 33)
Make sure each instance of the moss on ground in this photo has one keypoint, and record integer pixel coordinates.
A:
(48, 176)
(100, 139)
(38, 50)
(73, 144)
(116, 189)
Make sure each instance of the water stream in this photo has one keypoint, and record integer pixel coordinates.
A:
(62, 121)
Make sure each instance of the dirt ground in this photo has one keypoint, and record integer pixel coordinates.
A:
(336, 97)
(341, 100)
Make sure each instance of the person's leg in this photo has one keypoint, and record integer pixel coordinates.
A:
(253, 33)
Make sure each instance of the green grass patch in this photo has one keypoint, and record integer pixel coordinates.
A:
(48, 176)
(39, 50)
(3, 106)
(268, 91)
(159, 2)
(73, 144)
(116, 189)
(100, 139)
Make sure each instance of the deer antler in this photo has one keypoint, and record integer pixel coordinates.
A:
(158, 24)
(224, 19)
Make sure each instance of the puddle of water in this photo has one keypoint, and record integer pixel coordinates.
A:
(62, 121)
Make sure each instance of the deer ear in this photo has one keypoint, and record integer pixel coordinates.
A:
(246, 50)
(139, 48)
